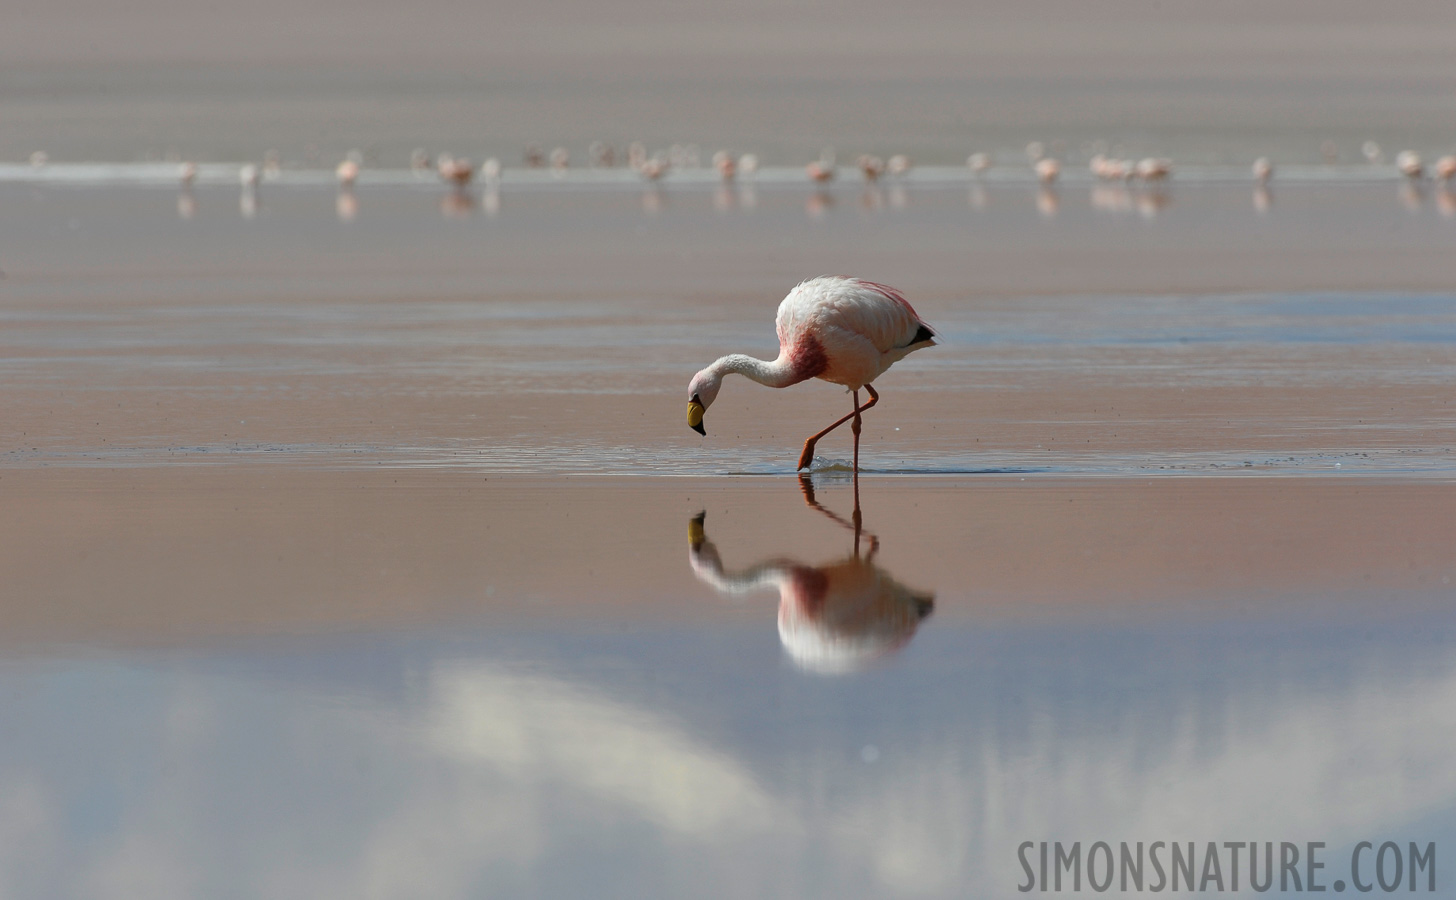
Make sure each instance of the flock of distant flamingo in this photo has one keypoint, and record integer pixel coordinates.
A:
(1119, 184)
(460, 172)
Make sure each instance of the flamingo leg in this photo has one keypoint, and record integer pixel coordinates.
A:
(807, 456)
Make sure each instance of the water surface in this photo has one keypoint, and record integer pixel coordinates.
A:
(362, 550)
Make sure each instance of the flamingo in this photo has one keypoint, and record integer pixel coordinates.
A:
(726, 165)
(653, 168)
(348, 171)
(844, 330)
(820, 171)
(456, 170)
(872, 167)
(1154, 169)
(601, 154)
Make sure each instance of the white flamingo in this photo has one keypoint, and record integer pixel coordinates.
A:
(843, 330)
(1154, 169)
(348, 171)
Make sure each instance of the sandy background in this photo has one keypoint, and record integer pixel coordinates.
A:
(1201, 82)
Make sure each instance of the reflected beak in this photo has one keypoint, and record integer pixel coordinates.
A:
(695, 416)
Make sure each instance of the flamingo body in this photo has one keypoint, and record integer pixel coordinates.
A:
(846, 331)
(842, 330)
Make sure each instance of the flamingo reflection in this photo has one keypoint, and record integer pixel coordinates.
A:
(834, 618)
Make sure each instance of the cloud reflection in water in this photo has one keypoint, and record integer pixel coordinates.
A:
(652, 759)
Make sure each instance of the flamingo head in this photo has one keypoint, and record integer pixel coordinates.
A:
(702, 391)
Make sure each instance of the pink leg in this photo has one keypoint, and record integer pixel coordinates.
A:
(807, 456)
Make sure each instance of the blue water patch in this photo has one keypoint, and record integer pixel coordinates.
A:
(541, 757)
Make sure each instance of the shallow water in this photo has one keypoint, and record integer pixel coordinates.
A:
(554, 334)
(355, 550)
(274, 682)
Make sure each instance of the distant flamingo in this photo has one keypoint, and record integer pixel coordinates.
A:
(653, 168)
(821, 170)
(1154, 169)
(1409, 164)
(843, 330)
(456, 170)
(726, 165)
(601, 154)
(348, 171)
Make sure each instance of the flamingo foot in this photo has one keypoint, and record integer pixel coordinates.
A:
(806, 458)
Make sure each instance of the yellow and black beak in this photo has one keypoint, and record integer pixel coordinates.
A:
(695, 415)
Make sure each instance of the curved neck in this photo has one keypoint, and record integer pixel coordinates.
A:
(778, 373)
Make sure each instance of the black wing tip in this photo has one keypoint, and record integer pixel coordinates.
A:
(923, 335)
